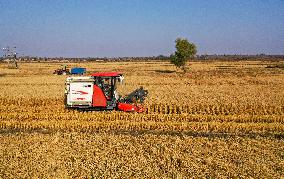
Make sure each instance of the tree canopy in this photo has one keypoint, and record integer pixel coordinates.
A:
(184, 51)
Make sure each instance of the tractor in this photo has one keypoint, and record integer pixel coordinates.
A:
(99, 92)
(62, 71)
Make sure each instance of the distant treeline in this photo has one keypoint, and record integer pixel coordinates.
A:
(260, 57)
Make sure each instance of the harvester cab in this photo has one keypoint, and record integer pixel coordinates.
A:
(99, 92)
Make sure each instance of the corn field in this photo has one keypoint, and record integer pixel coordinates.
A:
(215, 105)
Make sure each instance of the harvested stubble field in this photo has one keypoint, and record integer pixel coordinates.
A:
(221, 119)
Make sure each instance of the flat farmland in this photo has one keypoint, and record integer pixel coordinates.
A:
(220, 119)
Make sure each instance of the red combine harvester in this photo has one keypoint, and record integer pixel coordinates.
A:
(98, 92)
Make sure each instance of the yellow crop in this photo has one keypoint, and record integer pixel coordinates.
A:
(242, 109)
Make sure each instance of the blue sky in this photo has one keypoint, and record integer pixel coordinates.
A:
(112, 28)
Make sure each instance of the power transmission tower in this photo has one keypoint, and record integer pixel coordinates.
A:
(10, 54)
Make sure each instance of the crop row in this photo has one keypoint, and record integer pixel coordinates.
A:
(56, 105)
(214, 109)
(132, 117)
(78, 125)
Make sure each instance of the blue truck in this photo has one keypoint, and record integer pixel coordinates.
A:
(78, 71)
